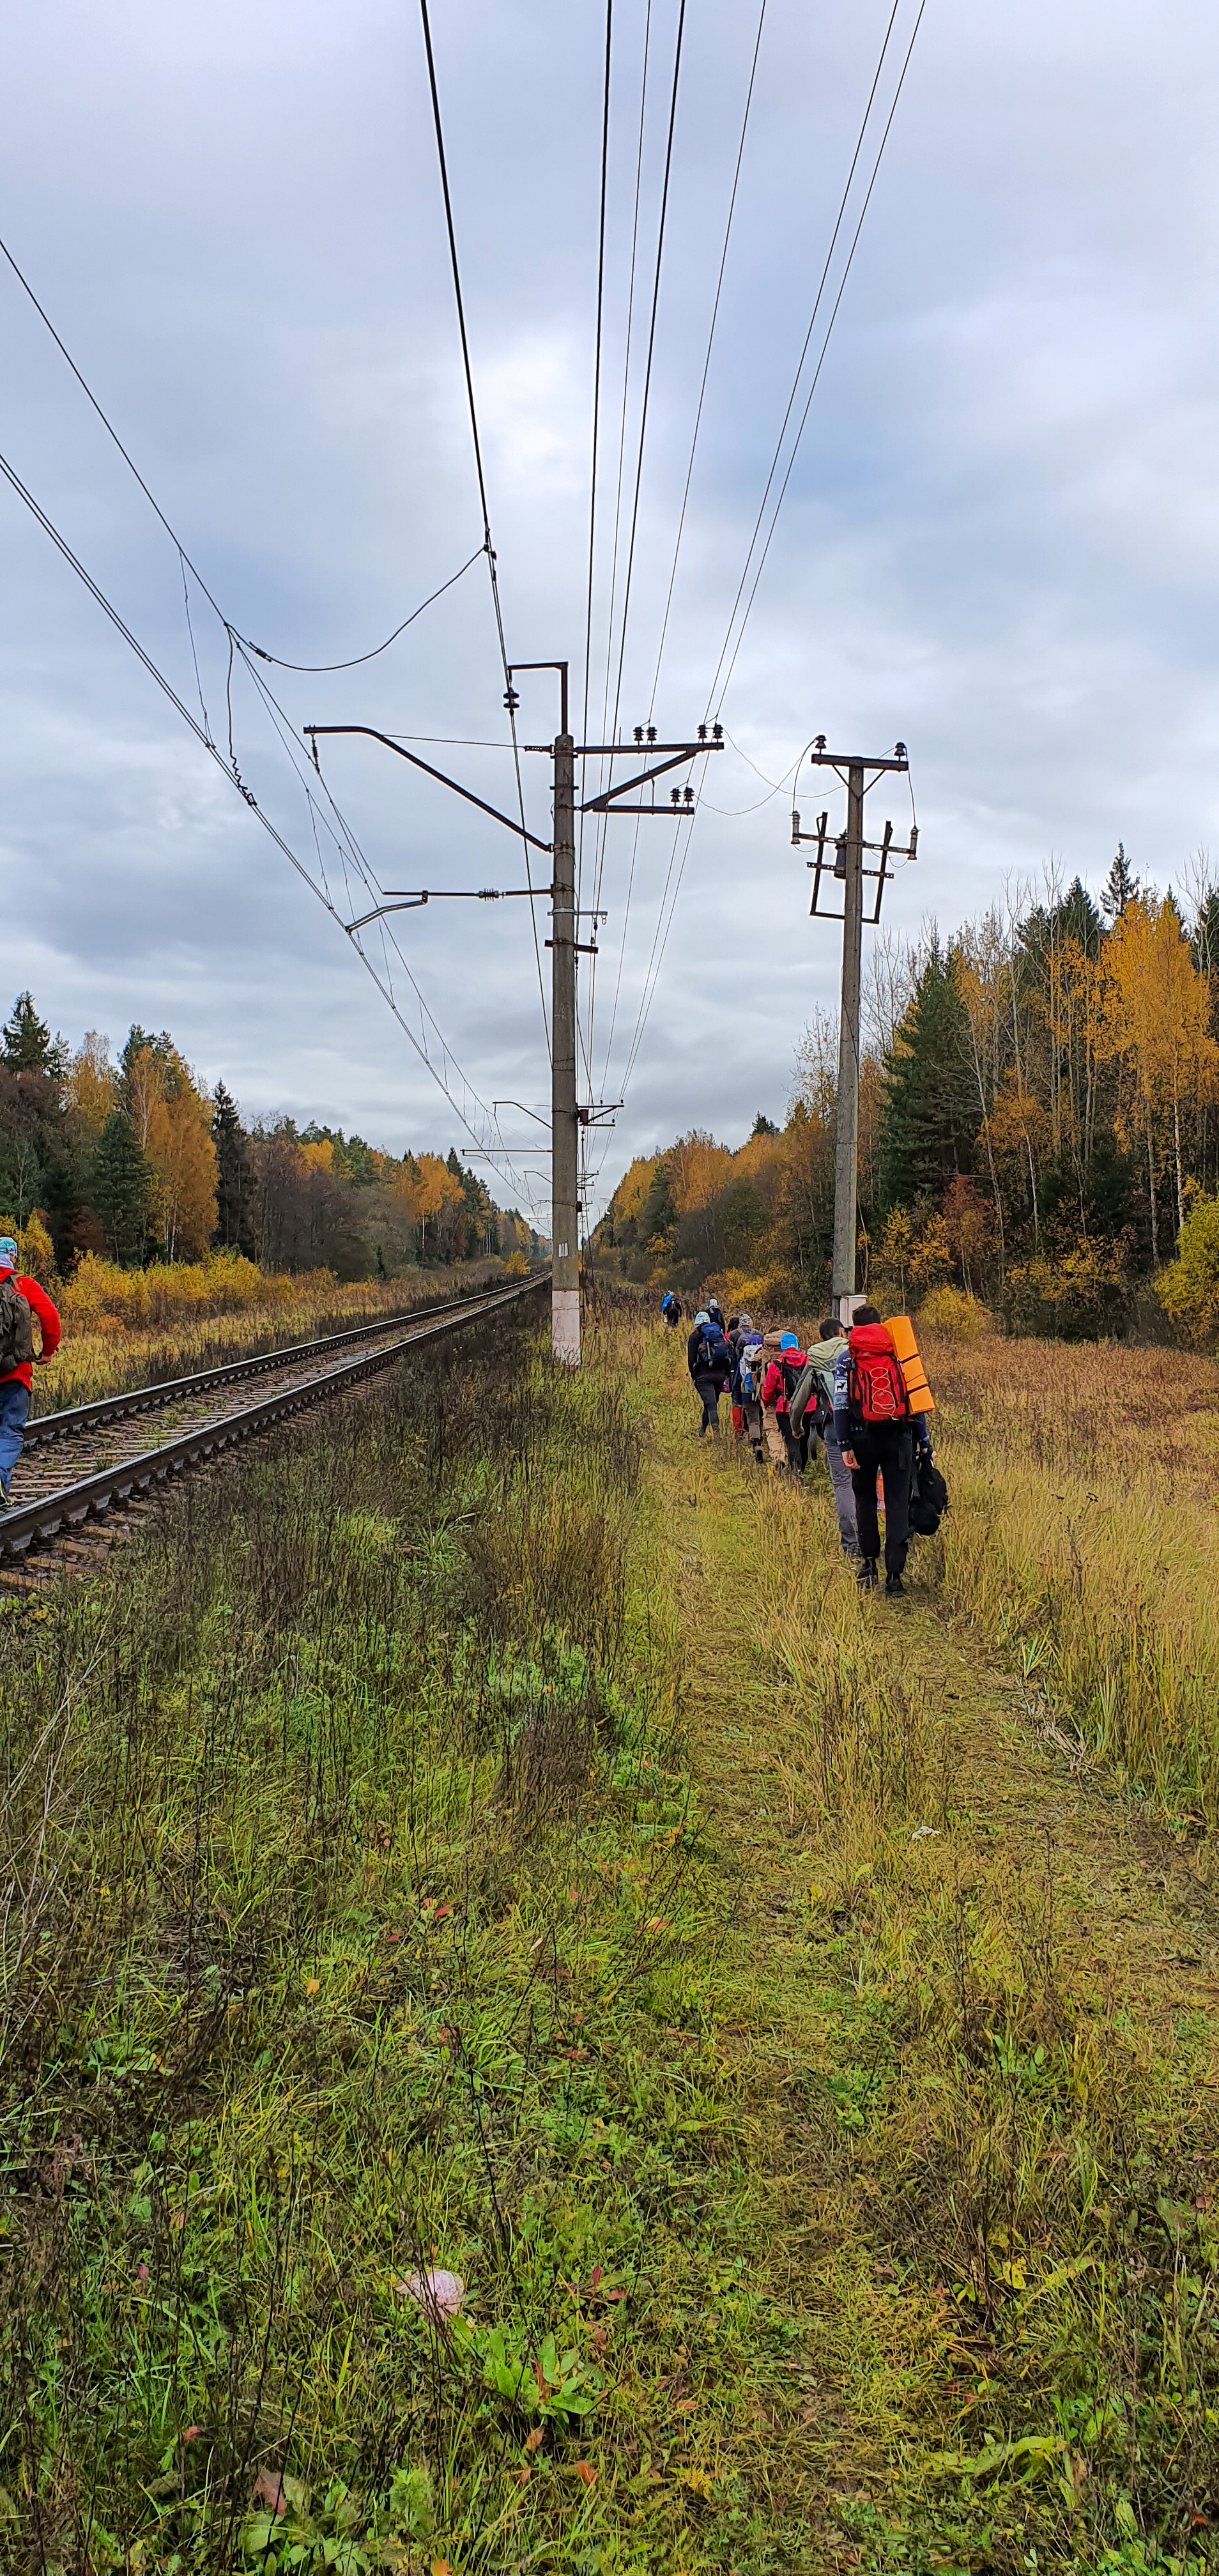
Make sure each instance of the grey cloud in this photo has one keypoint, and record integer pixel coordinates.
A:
(999, 539)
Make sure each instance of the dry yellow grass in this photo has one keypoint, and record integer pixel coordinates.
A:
(1083, 1541)
(124, 1327)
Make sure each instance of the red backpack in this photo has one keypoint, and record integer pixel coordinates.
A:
(877, 1388)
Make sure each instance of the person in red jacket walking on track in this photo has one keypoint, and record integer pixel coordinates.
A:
(20, 1300)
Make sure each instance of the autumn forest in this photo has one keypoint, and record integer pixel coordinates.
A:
(1039, 1128)
(137, 1162)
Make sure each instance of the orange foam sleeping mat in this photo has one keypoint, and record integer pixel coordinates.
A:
(902, 1331)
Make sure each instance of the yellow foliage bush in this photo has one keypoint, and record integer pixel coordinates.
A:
(36, 1252)
(752, 1292)
(100, 1295)
(955, 1314)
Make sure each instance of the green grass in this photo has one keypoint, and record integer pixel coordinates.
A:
(480, 1831)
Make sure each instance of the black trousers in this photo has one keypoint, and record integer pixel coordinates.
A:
(710, 1389)
(893, 1453)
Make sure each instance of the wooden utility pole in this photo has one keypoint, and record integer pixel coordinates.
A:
(567, 1115)
(564, 1102)
(846, 1132)
(849, 871)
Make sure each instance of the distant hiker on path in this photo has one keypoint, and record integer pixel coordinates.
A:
(20, 1300)
(710, 1363)
(875, 1430)
(670, 1307)
(747, 1386)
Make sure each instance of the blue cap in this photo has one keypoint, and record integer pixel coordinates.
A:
(8, 1252)
(788, 1342)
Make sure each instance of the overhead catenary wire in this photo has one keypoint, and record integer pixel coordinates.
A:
(761, 565)
(592, 495)
(602, 820)
(232, 775)
(639, 456)
(702, 390)
(596, 427)
(653, 974)
(482, 482)
(681, 522)
(349, 849)
(717, 692)
(316, 670)
(651, 351)
(203, 733)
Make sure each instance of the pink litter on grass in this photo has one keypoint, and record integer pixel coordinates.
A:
(439, 2294)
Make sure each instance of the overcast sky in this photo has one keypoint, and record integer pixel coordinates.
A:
(998, 541)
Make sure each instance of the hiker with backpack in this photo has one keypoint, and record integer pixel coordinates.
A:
(877, 1433)
(21, 1299)
(747, 1386)
(784, 1368)
(670, 1307)
(812, 1413)
(709, 1359)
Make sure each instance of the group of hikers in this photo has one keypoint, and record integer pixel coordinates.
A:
(851, 1394)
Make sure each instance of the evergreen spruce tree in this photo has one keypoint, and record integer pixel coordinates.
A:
(1121, 887)
(763, 1126)
(234, 1180)
(1048, 928)
(26, 1045)
(931, 1113)
(120, 1190)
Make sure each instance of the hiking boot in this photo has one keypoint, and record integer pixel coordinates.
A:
(894, 1587)
(866, 1577)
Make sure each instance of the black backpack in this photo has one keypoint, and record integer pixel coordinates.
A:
(16, 1328)
(715, 1353)
(928, 1496)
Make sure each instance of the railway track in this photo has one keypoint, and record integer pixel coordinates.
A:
(94, 1439)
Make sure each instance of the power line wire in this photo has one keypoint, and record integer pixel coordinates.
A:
(650, 987)
(736, 180)
(647, 373)
(643, 425)
(821, 285)
(702, 391)
(602, 819)
(586, 1049)
(187, 563)
(316, 670)
(232, 774)
(821, 358)
(482, 484)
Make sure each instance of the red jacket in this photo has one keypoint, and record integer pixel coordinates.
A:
(774, 1384)
(48, 1317)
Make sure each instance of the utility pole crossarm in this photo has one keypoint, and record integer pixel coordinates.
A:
(849, 871)
(445, 781)
(681, 753)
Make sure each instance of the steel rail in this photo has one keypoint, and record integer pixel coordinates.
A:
(75, 1505)
(45, 1427)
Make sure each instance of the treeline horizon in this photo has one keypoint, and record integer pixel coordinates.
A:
(140, 1162)
(1038, 1127)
